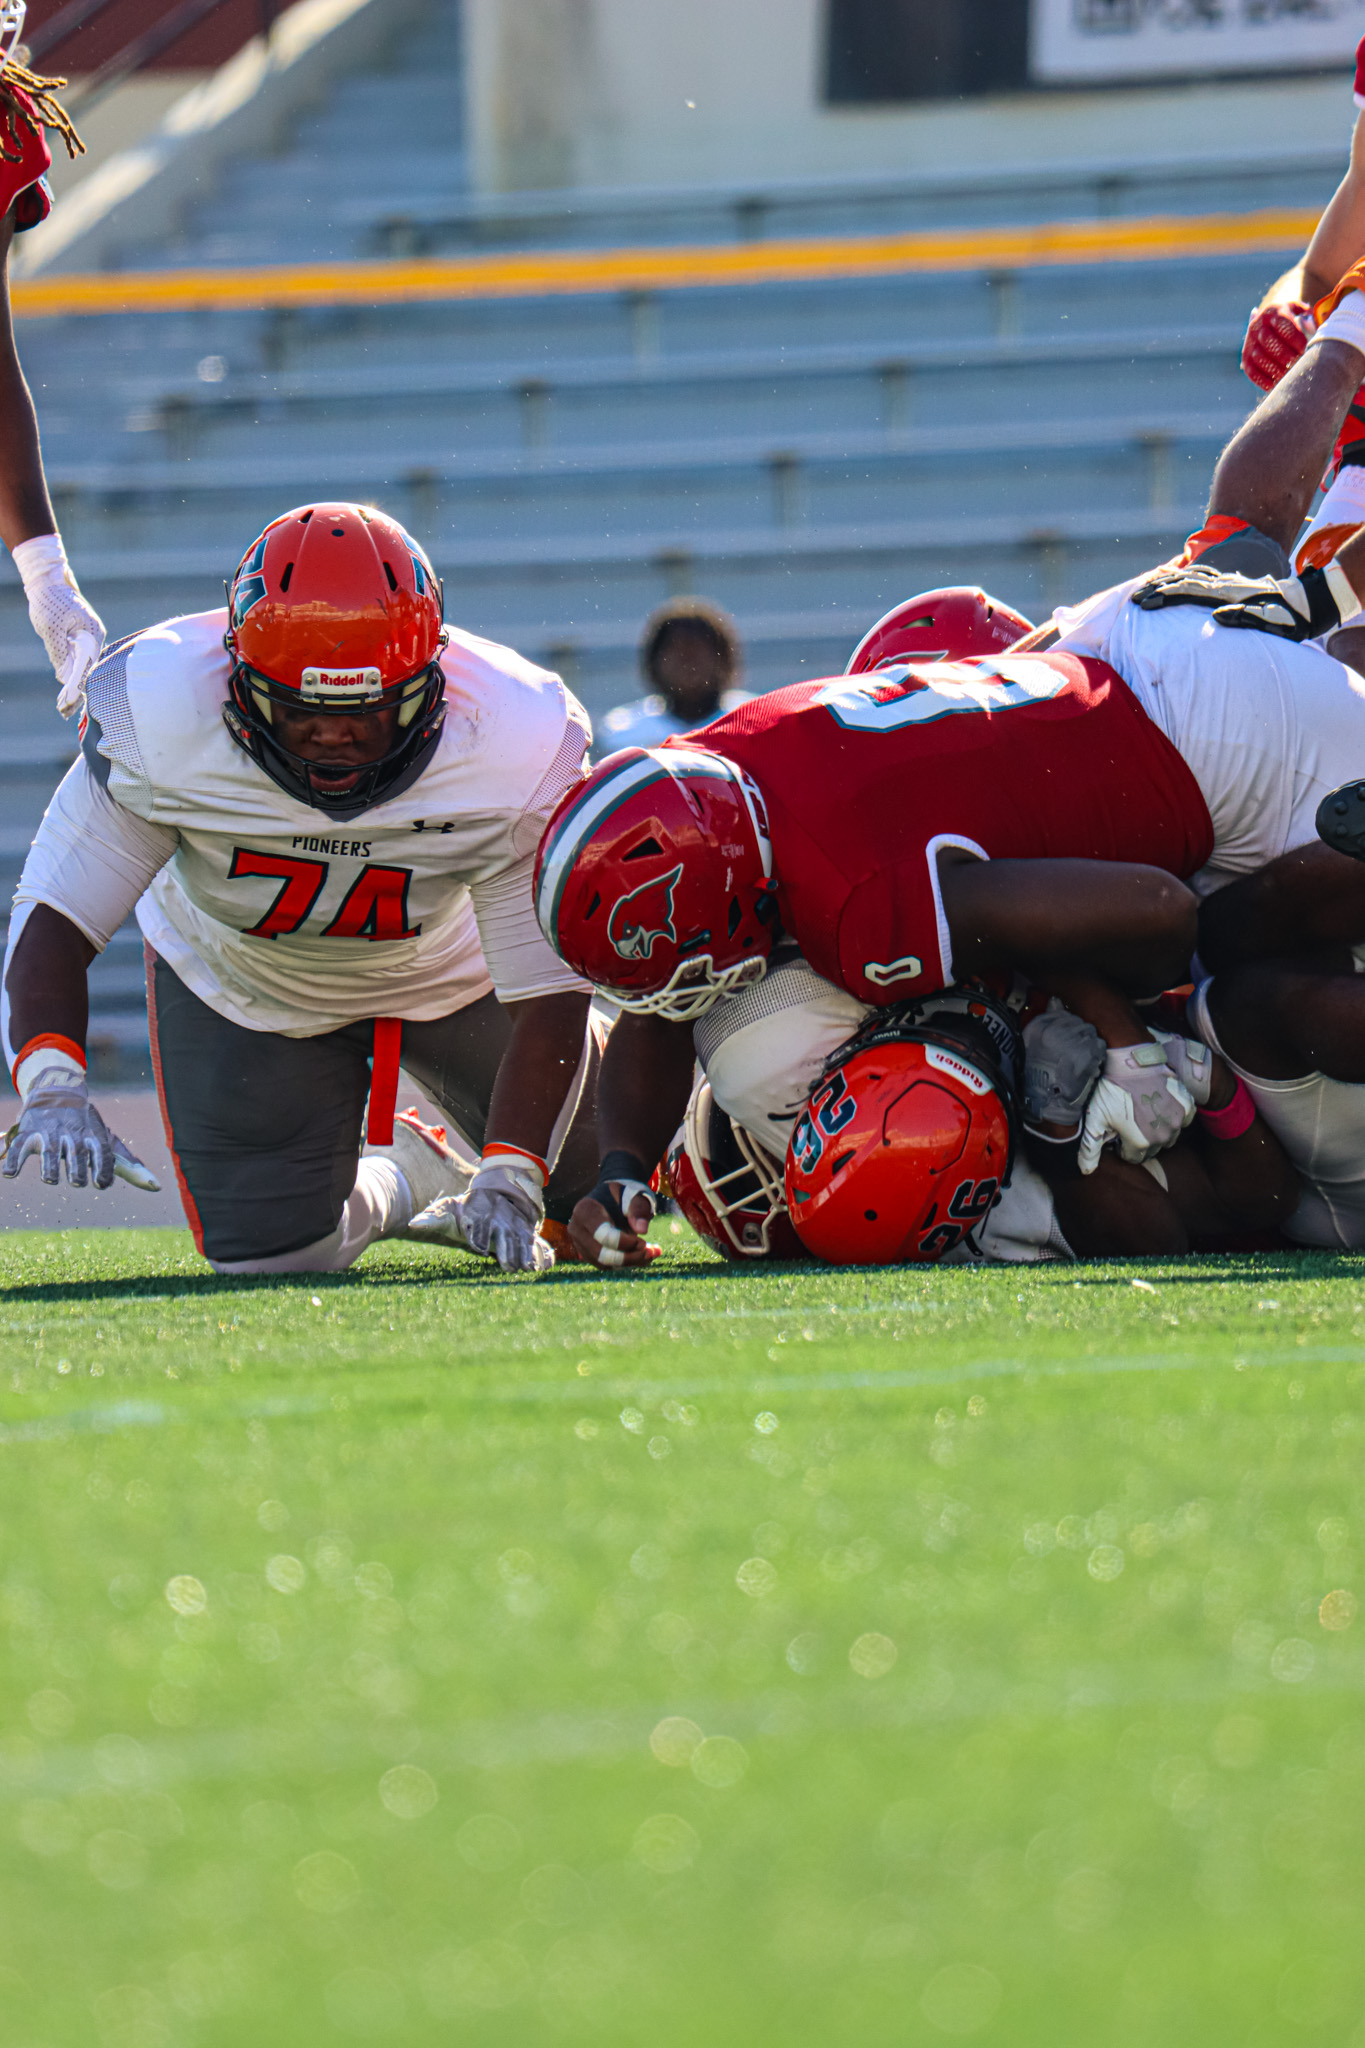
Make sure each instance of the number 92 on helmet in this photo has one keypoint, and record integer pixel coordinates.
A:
(909, 1134)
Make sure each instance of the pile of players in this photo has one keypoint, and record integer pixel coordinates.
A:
(1011, 942)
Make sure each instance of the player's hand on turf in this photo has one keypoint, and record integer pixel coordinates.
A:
(500, 1215)
(1139, 1102)
(61, 1126)
(1299, 608)
(608, 1226)
(1276, 337)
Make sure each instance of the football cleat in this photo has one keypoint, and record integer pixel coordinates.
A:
(939, 625)
(654, 880)
(909, 1134)
(728, 1186)
(1340, 820)
(335, 609)
(431, 1169)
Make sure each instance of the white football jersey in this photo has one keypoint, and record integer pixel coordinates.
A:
(285, 920)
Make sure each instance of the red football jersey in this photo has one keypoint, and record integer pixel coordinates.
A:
(865, 778)
(1360, 73)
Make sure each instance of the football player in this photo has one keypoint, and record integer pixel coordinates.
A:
(1013, 811)
(325, 805)
(69, 629)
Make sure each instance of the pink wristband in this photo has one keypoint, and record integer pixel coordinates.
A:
(1234, 1117)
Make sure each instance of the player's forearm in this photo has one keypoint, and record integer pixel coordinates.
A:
(25, 507)
(1288, 289)
(1339, 238)
(1098, 1002)
(537, 1070)
(1118, 1212)
(1273, 464)
(45, 980)
(646, 1080)
(1133, 927)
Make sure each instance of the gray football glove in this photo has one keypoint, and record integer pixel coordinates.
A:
(61, 1125)
(1063, 1059)
(498, 1218)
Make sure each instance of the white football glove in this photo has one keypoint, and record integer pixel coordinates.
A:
(1190, 1061)
(1137, 1100)
(70, 630)
(1299, 608)
(61, 1125)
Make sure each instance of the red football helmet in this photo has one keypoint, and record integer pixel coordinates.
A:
(653, 880)
(25, 157)
(727, 1186)
(909, 1134)
(939, 625)
(336, 609)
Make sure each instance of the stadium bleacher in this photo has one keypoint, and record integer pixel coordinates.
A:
(804, 452)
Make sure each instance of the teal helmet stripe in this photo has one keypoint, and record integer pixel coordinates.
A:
(598, 802)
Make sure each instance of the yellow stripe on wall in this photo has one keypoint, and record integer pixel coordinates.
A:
(533, 273)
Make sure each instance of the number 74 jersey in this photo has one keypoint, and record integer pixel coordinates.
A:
(867, 778)
(275, 914)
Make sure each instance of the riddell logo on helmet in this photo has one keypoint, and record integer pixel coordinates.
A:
(644, 916)
(342, 682)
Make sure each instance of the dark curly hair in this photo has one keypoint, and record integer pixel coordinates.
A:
(699, 615)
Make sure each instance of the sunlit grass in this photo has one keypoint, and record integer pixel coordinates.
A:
(708, 1656)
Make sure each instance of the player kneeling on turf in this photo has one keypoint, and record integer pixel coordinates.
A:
(325, 805)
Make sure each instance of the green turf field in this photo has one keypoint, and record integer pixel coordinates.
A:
(705, 1657)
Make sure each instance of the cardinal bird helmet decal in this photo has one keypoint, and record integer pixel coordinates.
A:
(645, 915)
(655, 880)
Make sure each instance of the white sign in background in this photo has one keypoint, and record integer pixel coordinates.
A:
(1071, 41)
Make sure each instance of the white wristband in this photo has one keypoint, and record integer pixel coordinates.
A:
(48, 1059)
(1343, 594)
(42, 560)
(1346, 323)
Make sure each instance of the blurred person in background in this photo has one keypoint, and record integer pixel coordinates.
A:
(70, 631)
(689, 656)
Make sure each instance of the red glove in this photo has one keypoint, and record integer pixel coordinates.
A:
(1276, 337)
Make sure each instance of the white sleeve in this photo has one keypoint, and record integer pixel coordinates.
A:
(90, 858)
(569, 766)
(520, 958)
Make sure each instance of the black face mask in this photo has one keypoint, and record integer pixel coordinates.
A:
(370, 783)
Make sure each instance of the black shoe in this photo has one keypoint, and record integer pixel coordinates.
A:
(1340, 820)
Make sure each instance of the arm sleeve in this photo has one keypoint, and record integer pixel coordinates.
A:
(91, 859)
(569, 765)
(520, 958)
